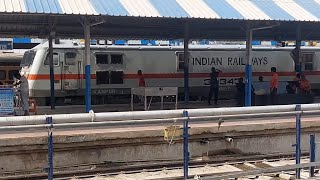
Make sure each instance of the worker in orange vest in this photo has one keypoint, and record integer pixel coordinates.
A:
(304, 87)
(274, 85)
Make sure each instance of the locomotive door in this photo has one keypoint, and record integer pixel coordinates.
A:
(69, 73)
(56, 66)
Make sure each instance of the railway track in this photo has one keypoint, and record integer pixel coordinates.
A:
(109, 169)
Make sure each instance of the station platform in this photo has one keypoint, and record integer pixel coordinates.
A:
(27, 151)
(70, 109)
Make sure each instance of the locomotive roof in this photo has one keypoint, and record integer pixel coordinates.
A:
(69, 44)
(11, 56)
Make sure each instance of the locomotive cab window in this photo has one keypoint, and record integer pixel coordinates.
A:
(55, 60)
(116, 77)
(102, 58)
(102, 77)
(70, 58)
(307, 61)
(116, 59)
(28, 58)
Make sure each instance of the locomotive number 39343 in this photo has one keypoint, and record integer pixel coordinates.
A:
(223, 81)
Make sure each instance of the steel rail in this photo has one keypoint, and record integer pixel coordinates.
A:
(262, 171)
(88, 172)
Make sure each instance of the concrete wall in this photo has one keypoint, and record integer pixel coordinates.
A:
(29, 151)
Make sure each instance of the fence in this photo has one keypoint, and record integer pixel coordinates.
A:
(155, 117)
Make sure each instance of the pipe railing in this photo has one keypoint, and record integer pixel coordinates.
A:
(234, 112)
(236, 117)
(180, 120)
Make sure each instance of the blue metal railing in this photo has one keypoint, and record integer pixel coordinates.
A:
(50, 149)
(185, 145)
(312, 154)
(298, 139)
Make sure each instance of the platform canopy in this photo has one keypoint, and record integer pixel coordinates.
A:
(163, 19)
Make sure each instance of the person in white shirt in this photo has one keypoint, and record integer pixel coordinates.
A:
(24, 92)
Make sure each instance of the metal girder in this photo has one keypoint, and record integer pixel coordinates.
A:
(114, 32)
(68, 26)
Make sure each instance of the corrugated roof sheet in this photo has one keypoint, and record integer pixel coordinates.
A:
(286, 10)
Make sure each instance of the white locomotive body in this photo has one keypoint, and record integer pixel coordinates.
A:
(114, 68)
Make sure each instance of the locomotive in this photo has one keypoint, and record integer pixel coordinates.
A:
(114, 69)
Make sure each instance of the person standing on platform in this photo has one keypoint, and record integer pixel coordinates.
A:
(240, 92)
(142, 83)
(274, 86)
(22, 82)
(214, 86)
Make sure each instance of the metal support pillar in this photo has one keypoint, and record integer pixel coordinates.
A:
(52, 98)
(50, 149)
(248, 67)
(87, 67)
(312, 154)
(185, 146)
(186, 63)
(298, 139)
(298, 66)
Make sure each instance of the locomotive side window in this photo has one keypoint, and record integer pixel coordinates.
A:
(102, 58)
(55, 60)
(116, 59)
(307, 60)
(102, 77)
(12, 73)
(116, 77)
(2, 74)
(70, 58)
(180, 61)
